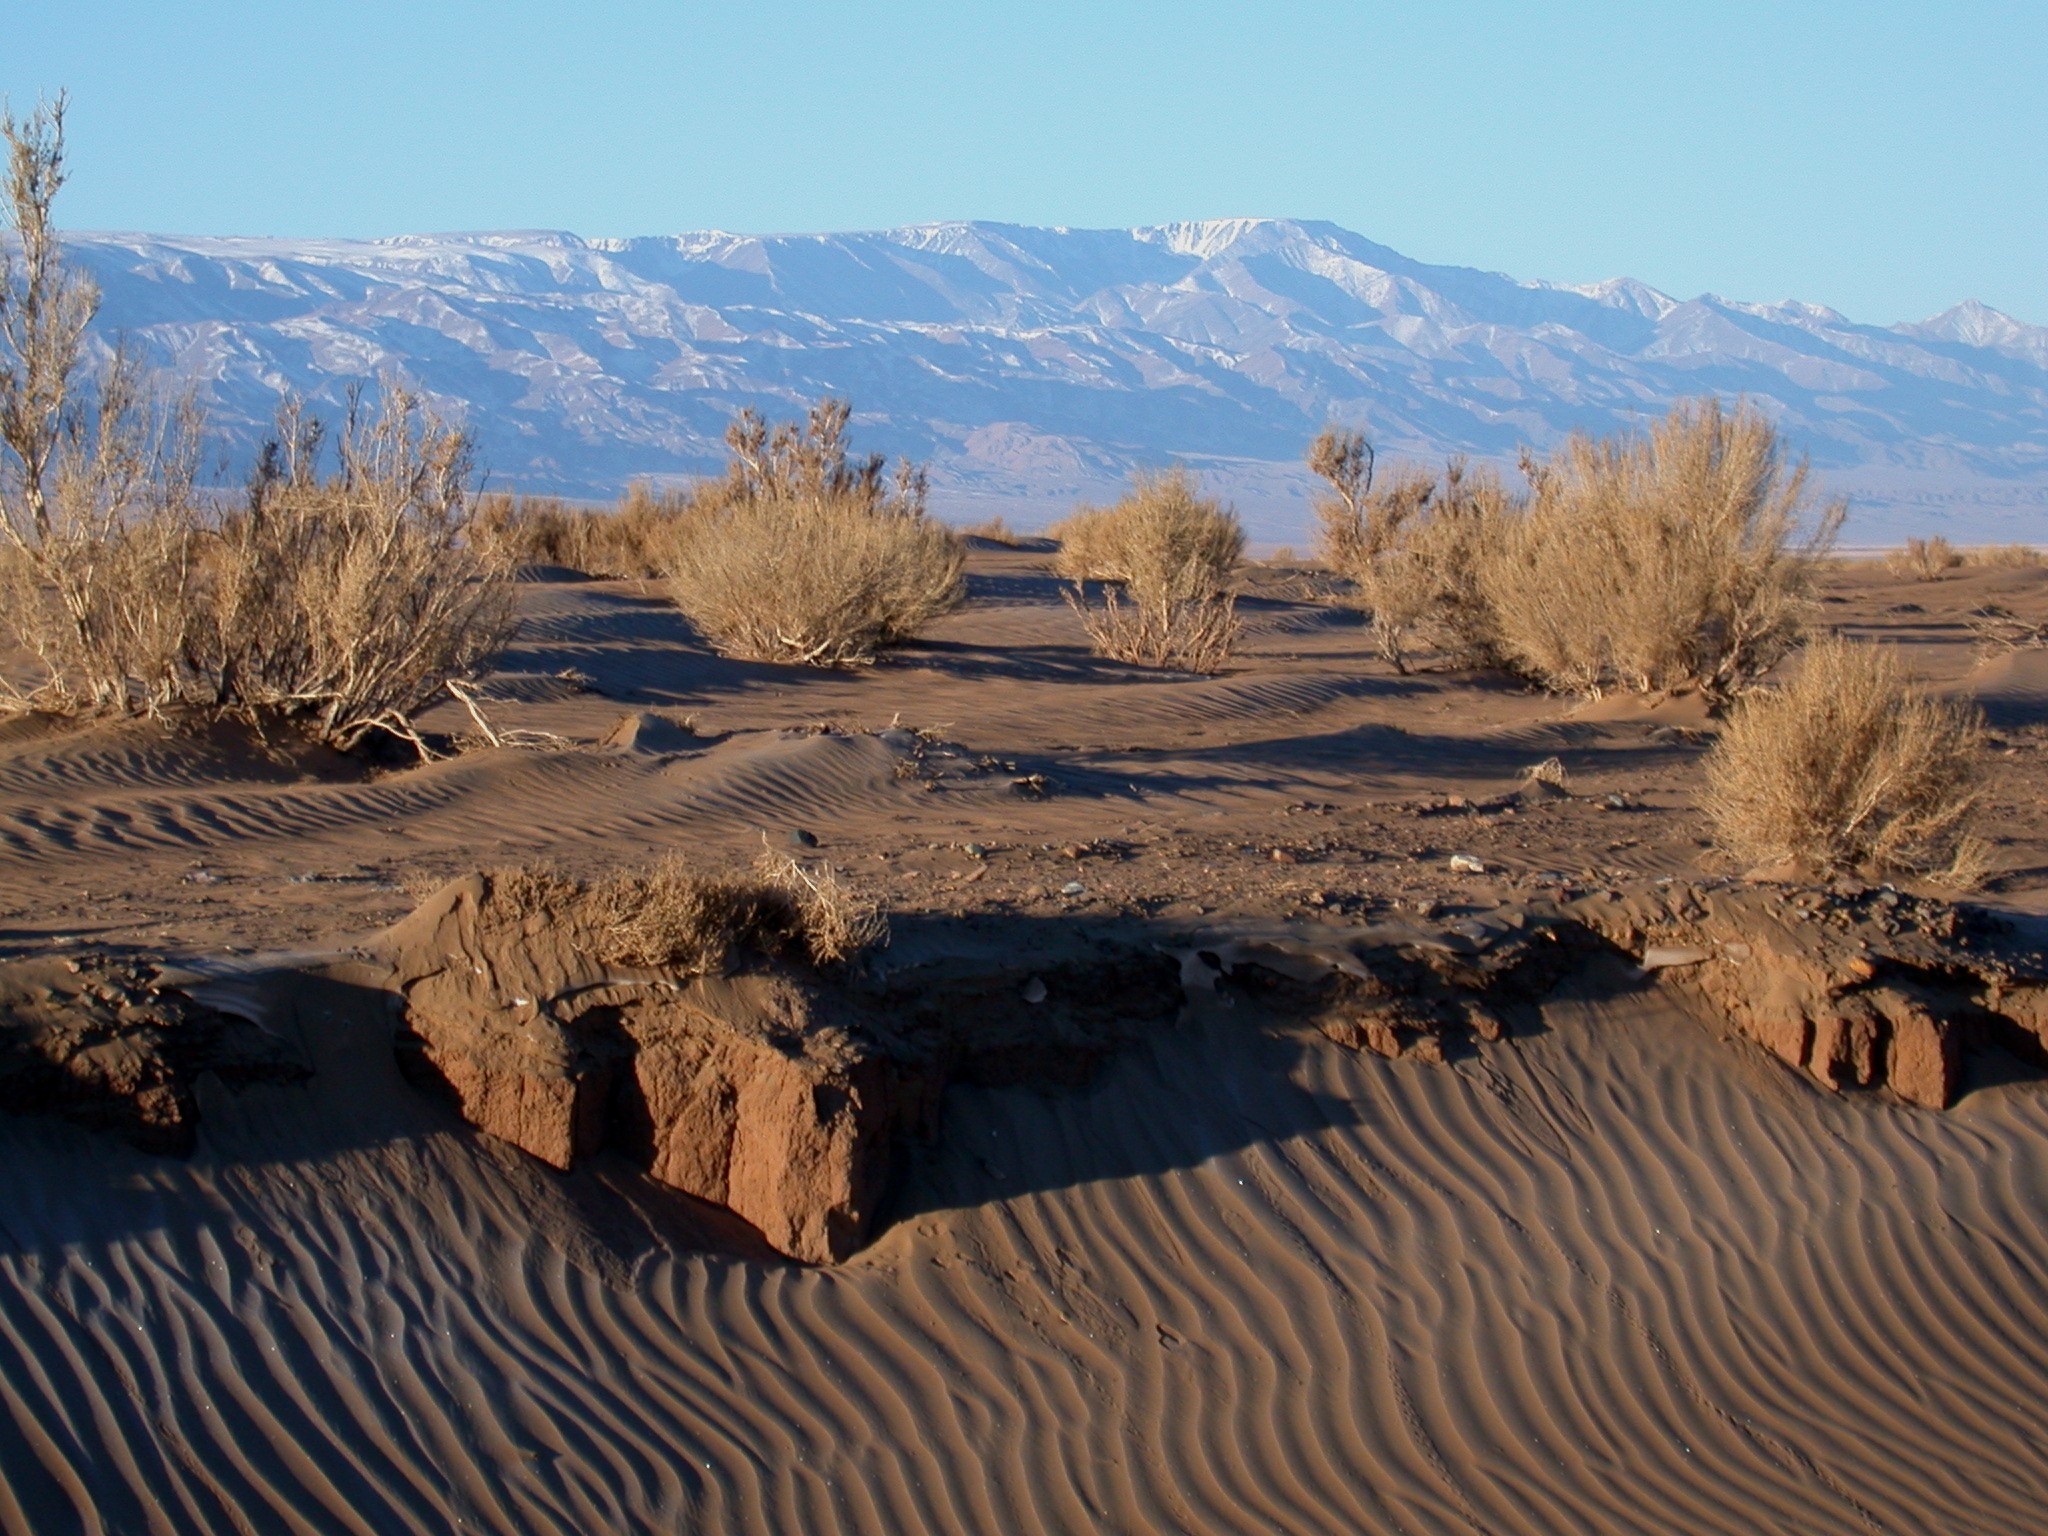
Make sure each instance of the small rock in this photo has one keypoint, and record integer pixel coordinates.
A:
(1660, 957)
(974, 850)
(799, 838)
(1034, 990)
(1465, 864)
(1282, 856)
(1073, 888)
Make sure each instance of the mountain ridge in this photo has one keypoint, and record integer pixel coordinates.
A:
(1032, 365)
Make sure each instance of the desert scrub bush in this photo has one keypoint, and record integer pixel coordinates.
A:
(1413, 548)
(1924, 559)
(1166, 556)
(1847, 765)
(337, 606)
(1667, 562)
(801, 555)
(345, 605)
(677, 917)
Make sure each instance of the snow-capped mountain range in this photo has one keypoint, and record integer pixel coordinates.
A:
(1034, 366)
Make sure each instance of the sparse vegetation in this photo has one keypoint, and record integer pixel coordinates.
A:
(1924, 559)
(1661, 563)
(629, 541)
(1848, 765)
(678, 918)
(1668, 562)
(1414, 548)
(2003, 556)
(338, 606)
(996, 530)
(800, 555)
(1165, 555)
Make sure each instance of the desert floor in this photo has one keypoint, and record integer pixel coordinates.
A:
(1618, 1273)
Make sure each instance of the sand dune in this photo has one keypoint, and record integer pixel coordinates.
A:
(1616, 1277)
(1618, 1274)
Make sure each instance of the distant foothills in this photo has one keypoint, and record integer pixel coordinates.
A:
(1032, 367)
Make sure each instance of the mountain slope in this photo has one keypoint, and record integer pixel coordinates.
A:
(1035, 365)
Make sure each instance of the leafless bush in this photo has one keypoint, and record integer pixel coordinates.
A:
(1848, 765)
(803, 556)
(679, 918)
(1665, 562)
(1924, 559)
(340, 606)
(346, 605)
(1414, 548)
(1167, 555)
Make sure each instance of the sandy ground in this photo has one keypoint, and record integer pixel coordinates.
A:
(1616, 1275)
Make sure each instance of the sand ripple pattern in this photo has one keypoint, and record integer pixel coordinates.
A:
(1616, 1278)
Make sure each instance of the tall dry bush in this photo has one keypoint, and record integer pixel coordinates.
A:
(804, 555)
(1414, 548)
(338, 605)
(1848, 765)
(1166, 556)
(1670, 561)
(344, 605)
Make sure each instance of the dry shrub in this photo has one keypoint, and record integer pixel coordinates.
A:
(678, 918)
(1848, 765)
(802, 556)
(1660, 563)
(835, 921)
(1924, 559)
(348, 604)
(629, 541)
(1167, 555)
(339, 606)
(2003, 556)
(1415, 549)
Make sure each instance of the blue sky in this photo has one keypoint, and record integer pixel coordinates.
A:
(1886, 159)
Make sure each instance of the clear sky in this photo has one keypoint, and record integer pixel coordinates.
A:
(1887, 159)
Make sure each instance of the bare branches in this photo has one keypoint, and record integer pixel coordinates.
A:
(45, 308)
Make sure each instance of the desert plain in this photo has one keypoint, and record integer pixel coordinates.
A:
(1604, 1262)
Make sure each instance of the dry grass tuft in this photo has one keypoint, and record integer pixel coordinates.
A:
(996, 530)
(1166, 555)
(2003, 556)
(1849, 765)
(629, 541)
(1668, 562)
(802, 556)
(677, 918)
(835, 921)
(1924, 559)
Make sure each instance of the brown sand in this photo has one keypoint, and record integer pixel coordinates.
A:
(1616, 1275)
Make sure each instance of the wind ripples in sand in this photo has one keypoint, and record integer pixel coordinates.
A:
(1617, 1277)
